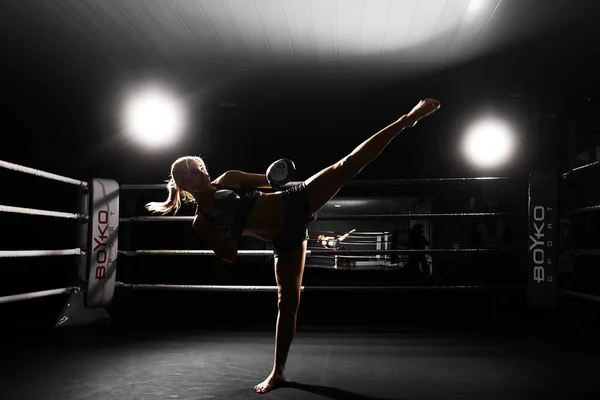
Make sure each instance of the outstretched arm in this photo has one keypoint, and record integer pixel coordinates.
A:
(241, 179)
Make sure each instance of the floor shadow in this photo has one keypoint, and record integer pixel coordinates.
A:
(331, 392)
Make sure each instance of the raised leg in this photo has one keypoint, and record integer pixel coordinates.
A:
(289, 268)
(322, 186)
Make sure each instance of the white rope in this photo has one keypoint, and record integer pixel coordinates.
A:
(354, 217)
(191, 252)
(239, 288)
(142, 186)
(366, 182)
(156, 219)
(580, 211)
(308, 252)
(35, 295)
(357, 235)
(42, 174)
(40, 253)
(586, 252)
(581, 168)
(33, 211)
(579, 295)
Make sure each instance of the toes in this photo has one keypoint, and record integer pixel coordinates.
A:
(260, 389)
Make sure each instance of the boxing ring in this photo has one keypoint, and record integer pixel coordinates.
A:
(102, 246)
(98, 250)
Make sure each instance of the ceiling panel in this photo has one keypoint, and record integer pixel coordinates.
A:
(475, 19)
(206, 40)
(226, 28)
(348, 28)
(250, 27)
(299, 24)
(177, 35)
(275, 28)
(207, 35)
(373, 25)
(113, 21)
(324, 23)
(397, 28)
(424, 21)
(444, 32)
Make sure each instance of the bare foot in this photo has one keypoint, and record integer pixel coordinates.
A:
(421, 110)
(270, 383)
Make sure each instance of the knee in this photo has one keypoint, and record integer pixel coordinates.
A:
(288, 300)
(349, 166)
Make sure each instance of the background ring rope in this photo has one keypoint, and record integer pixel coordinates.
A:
(308, 252)
(579, 295)
(363, 182)
(585, 252)
(35, 295)
(580, 211)
(47, 213)
(342, 217)
(580, 169)
(40, 253)
(42, 174)
(250, 288)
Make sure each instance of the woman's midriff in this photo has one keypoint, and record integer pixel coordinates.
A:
(266, 219)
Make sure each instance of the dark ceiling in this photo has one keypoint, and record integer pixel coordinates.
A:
(309, 80)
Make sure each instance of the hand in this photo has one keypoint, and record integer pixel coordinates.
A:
(281, 172)
(226, 204)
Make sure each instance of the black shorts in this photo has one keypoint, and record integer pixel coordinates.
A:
(296, 217)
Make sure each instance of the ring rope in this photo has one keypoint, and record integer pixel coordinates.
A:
(40, 253)
(155, 186)
(412, 216)
(366, 257)
(155, 219)
(580, 211)
(33, 211)
(376, 182)
(239, 288)
(581, 168)
(308, 252)
(35, 295)
(585, 296)
(356, 235)
(342, 217)
(347, 243)
(585, 252)
(42, 174)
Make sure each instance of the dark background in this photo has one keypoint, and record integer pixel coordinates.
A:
(59, 106)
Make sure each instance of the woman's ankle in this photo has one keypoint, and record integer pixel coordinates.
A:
(405, 122)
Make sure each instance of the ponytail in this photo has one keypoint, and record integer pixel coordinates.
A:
(176, 194)
(173, 202)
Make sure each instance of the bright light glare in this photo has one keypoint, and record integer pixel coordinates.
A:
(475, 6)
(489, 143)
(154, 118)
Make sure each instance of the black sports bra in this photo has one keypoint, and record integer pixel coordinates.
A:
(248, 198)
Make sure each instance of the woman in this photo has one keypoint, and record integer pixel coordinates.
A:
(333, 242)
(280, 218)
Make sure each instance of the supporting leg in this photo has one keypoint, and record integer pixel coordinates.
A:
(289, 269)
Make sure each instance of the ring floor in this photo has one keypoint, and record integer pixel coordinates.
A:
(95, 363)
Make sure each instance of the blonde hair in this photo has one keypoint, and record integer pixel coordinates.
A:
(176, 193)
